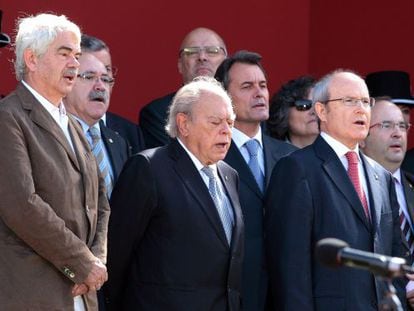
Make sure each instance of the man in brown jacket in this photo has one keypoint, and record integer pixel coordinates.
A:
(53, 208)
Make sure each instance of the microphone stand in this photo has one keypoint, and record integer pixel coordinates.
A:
(390, 300)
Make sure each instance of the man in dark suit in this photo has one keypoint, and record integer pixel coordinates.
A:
(53, 210)
(386, 143)
(177, 214)
(244, 78)
(88, 102)
(397, 85)
(201, 52)
(329, 189)
(130, 131)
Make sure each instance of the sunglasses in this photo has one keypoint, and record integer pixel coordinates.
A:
(302, 104)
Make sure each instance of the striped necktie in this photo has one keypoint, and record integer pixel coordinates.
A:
(221, 202)
(405, 226)
(352, 158)
(98, 151)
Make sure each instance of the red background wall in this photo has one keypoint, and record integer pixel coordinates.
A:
(295, 37)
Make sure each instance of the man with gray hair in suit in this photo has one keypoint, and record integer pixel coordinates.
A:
(53, 212)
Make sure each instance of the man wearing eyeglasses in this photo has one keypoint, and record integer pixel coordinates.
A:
(329, 189)
(88, 102)
(386, 143)
(201, 52)
(244, 78)
(130, 131)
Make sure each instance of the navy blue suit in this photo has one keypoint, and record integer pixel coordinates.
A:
(153, 118)
(312, 198)
(130, 131)
(254, 277)
(167, 248)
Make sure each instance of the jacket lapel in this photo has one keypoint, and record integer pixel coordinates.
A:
(43, 119)
(192, 180)
(236, 160)
(336, 171)
(408, 186)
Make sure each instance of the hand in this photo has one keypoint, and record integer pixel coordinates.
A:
(410, 298)
(79, 289)
(96, 277)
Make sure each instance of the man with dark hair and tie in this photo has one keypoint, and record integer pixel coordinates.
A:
(176, 211)
(253, 155)
(329, 189)
(88, 102)
(386, 143)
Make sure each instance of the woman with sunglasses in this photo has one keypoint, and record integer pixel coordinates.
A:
(292, 117)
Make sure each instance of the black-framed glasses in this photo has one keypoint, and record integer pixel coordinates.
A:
(353, 101)
(390, 126)
(193, 51)
(302, 104)
(93, 77)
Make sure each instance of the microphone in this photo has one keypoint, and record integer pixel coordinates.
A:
(334, 253)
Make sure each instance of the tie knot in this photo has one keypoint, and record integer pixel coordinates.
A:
(252, 146)
(352, 157)
(95, 135)
(208, 171)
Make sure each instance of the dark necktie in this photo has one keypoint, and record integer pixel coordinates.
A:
(404, 223)
(253, 146)
(221, 203)
(97, 149)
(352, 158)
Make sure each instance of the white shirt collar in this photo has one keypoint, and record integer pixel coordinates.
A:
(196, 161)
(339, 148)
(240, 138)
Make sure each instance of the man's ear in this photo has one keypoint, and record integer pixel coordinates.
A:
(182, 121)
(320, 110)
(30, 59)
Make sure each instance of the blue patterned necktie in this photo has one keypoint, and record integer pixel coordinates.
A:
(253, 146)
(97, 149)
(221, 202)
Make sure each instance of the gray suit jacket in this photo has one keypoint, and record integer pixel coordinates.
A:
(53, 211)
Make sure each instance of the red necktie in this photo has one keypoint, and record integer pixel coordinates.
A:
(352, 158)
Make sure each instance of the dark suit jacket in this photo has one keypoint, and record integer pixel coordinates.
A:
(173, 253)
(254, 277)
(408, 163)
(117, 148)
(131, 132)
(53, 208)
(153, 118)
(313, 198)
(407, 180)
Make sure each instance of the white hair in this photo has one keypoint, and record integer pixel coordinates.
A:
(37, 33)
(189, 95)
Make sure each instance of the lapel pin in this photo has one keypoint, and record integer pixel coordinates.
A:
(376, 177)
(110, 140)
(226, 178)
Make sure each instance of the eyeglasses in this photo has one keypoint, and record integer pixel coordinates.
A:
(390, 126)
(353, 102)
(93, 77)
(194, 51)
(302, 104)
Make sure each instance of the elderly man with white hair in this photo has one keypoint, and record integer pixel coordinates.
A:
(53, 211)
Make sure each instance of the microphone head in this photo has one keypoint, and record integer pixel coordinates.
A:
(326, 251)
